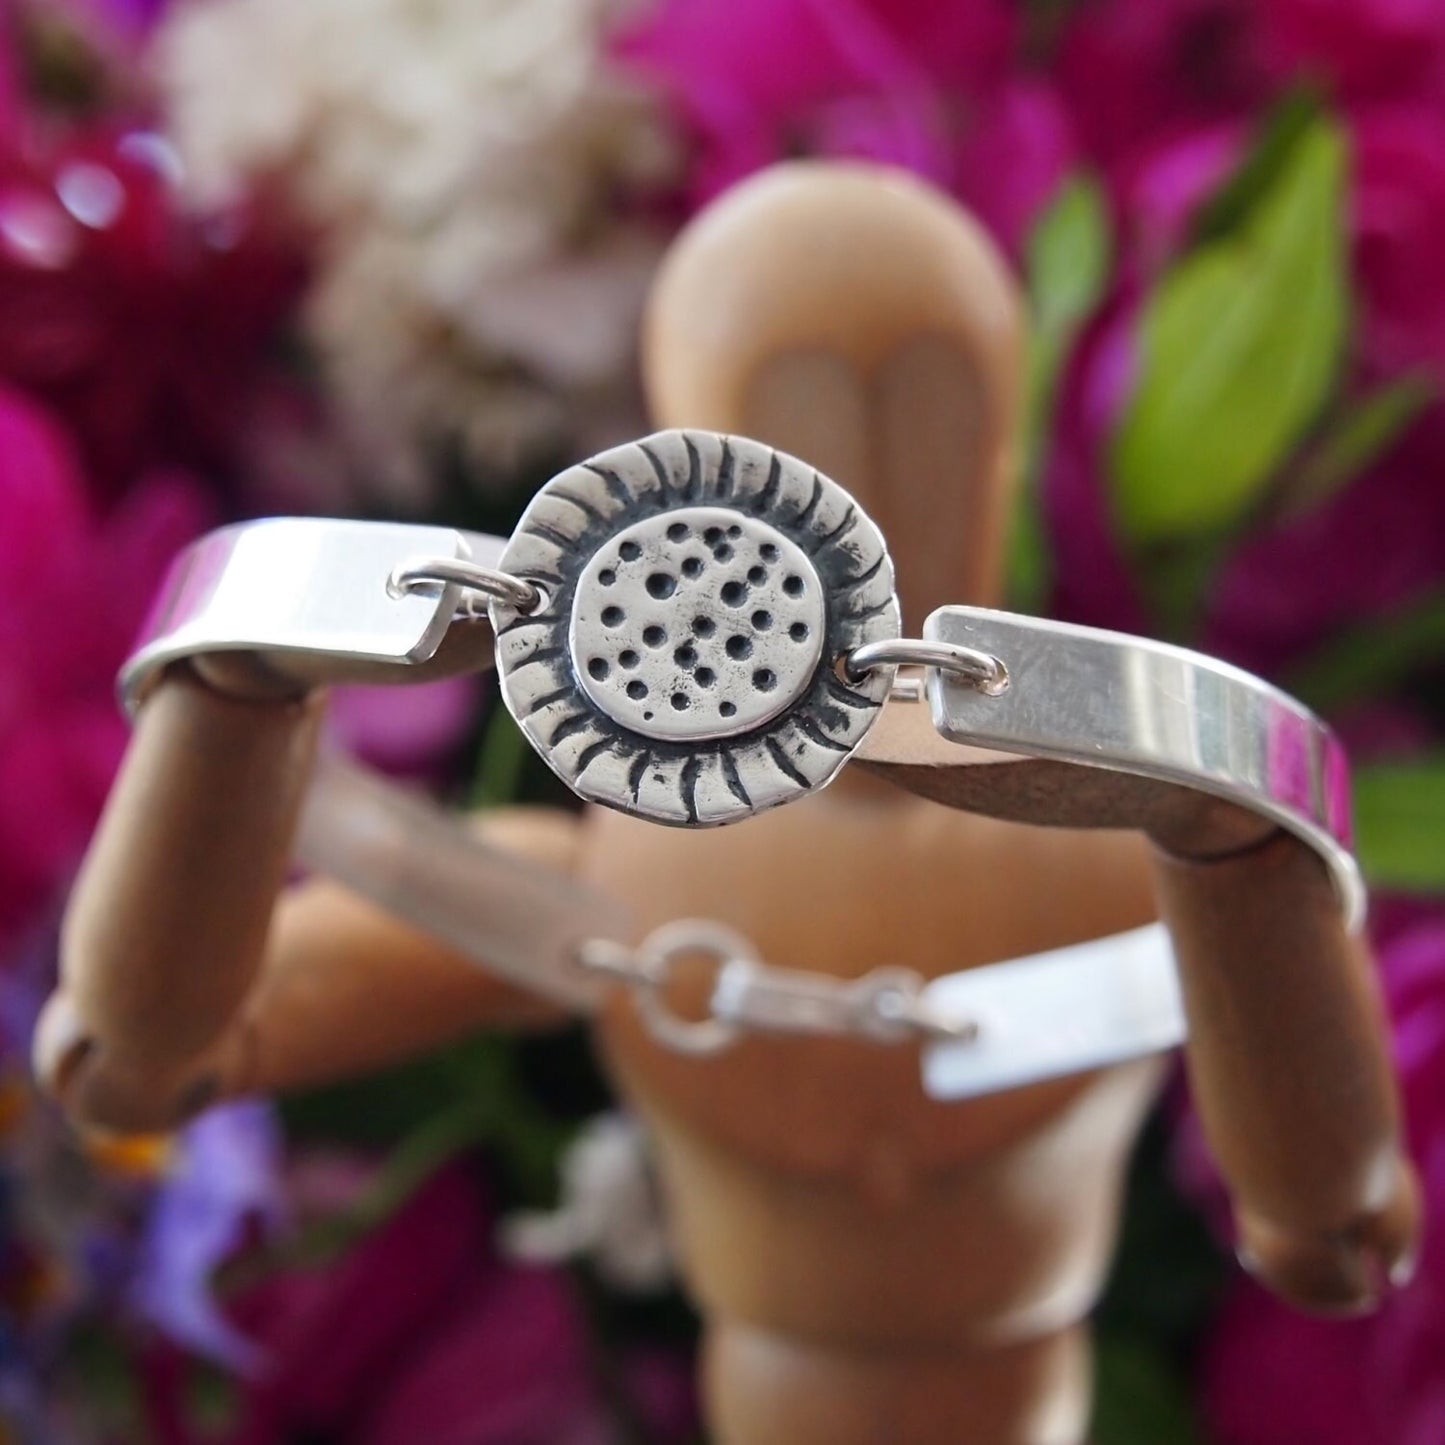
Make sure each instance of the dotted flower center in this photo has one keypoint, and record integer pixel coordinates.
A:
(697, 623)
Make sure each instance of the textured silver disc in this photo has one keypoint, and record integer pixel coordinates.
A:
(699, 591)
(699, 623)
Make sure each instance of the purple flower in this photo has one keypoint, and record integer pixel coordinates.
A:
(1018, 147)
(1287, 590)
(224, 1184)
(1138, 73)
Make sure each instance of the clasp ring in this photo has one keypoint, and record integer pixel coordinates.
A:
(514, 592)
(983, 670)
(649, 966)
(749, 996)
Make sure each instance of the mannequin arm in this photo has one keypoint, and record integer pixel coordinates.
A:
(177, 987)
(1287, 1047)
(1289, 1070)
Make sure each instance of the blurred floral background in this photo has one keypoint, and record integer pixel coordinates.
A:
(386, 257)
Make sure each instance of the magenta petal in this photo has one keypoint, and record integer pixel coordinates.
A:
(43, 512)
(1287, 590)
(1398, 212)
(1018, 148)
(753, 81)
(510, 1368)
(1273, 1377)
(1093, 583)
(405, 729)
(1368, 49)
(76, 589)
(336, 1336)
(1137, 72)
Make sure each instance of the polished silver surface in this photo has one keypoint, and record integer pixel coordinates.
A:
(980, 670)
(699, 623)
(1001, 1026)
(647, 970)
(702, 599)
(313, 589)
(1054, 1014)
(1126, 704)
(438, 572)
(886, 1006)
(699, 591)
(510, 915)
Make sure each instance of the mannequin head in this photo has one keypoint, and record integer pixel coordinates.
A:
(909, 398)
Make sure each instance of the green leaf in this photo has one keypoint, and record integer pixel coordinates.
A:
(1357, 438)
(410, 1165)
(1400, 824)
(1141, 1397)
(1239, 349)
(1068, 259)
(500, 763)
(423, 1113)
(1261, 168)
(1168, 1270)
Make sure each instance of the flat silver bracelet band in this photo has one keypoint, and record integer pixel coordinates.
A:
(693, 628)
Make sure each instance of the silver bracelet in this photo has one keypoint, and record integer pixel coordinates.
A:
(692, 628)
(984, 1029)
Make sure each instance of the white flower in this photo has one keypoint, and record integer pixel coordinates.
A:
(610, 1211)
(458, 161)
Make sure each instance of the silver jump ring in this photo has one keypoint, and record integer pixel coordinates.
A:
(455, 571)
(649, 967)
(983, 670)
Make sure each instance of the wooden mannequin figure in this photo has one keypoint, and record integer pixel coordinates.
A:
(871, 1265)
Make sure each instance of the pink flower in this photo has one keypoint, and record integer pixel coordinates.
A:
(526, 1329)
(420, 1333)
(76, 589)
(923, 85)
(1285, 591)
(407, 730)
(1139, 73)
(145, 329)
(1160, 192)
(1093, 582)
(1367, 49)
(1016, 151)
(1274, 1377)
(1399, 215)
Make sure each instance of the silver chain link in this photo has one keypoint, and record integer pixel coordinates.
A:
(885, 1006)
